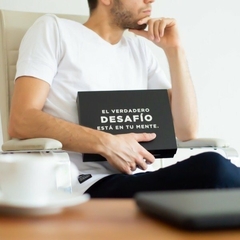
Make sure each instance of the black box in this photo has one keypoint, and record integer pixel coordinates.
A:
(128, 111)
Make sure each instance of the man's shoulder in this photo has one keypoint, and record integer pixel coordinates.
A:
(49, 19)
(64, 27)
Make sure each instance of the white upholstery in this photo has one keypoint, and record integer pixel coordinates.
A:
(13, 26)
(1, 135)
(34, 144)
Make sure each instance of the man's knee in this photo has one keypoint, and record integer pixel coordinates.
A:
(209, 160)
(219, 171)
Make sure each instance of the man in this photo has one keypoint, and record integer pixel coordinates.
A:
(58, 58)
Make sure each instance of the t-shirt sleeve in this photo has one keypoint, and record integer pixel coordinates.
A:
(39, 51)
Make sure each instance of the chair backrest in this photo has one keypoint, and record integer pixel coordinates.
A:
(1, 135)
(13, 26)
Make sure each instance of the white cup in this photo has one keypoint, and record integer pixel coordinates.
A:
(27, 181)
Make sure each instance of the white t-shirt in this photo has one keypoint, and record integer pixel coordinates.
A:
(71, 58)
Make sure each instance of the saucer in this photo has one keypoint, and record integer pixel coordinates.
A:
(55, 204)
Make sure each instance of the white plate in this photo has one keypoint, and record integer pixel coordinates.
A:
(55, 205)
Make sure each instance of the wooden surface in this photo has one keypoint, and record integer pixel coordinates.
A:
(101, 219)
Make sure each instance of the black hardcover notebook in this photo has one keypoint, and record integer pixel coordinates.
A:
(193, 209)
(128, 111)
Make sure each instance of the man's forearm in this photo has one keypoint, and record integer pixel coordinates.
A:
(122, 151)
(183, 98)
(74, 137)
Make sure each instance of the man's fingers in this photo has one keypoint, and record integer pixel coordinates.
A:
(144, 20)
(142, 165)
(144, 137)
(129, 154)
(147, 158)
(156, 28)
(123, 166)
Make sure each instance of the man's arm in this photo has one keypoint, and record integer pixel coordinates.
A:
(182, 96)
(164, 33)
(27, 120)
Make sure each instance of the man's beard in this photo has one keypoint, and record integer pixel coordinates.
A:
(124, 18)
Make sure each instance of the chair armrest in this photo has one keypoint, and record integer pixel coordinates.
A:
(31, 144)
(203, 142)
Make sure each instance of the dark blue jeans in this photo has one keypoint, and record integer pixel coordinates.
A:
(204, 171)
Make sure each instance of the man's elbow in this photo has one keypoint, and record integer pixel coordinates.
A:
(16, 128)
(187, 134)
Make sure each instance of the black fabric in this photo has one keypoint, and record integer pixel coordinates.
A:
(203, 171)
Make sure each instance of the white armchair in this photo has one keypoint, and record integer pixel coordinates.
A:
(13, 25)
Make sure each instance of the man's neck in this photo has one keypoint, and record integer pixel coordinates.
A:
(104, 28)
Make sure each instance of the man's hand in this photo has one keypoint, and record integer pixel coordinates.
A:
(124, 152)
(161, 31)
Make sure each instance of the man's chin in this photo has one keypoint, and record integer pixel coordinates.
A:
(138, 27)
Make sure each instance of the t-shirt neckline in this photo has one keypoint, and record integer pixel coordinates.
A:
(99, 38)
